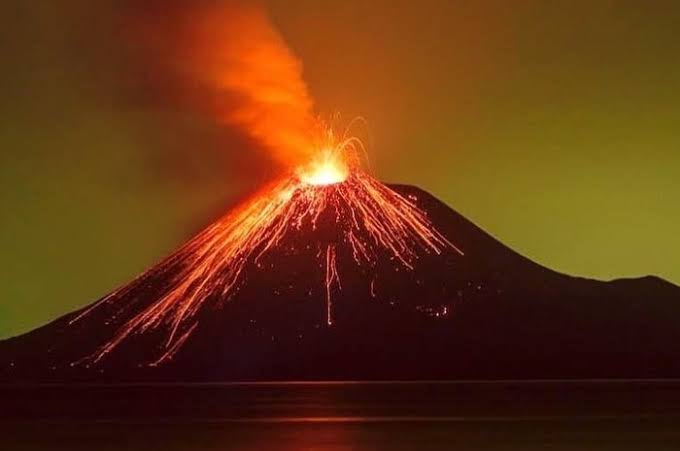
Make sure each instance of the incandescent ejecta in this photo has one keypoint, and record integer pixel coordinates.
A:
(243, 60)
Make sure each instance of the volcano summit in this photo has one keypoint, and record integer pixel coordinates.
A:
(334, 292)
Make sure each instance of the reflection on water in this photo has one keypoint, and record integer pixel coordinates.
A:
(344, 416)
(638, 435)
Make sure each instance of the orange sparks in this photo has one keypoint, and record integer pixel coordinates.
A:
(238, 57)
(325, 171)
(371, 219)
(331, 278)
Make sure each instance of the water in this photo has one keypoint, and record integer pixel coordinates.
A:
(512, 415)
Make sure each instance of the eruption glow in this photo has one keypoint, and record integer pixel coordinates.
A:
(245, 59)
(326, 171)
(372, 218)
(230, 61)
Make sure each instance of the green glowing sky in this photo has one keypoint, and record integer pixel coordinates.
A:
(554, 125)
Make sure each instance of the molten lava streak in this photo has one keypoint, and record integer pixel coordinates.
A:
(231, 54)
(371, 218)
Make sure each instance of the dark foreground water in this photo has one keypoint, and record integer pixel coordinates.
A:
(582, 415)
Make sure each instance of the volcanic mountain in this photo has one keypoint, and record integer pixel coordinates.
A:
(483, 313)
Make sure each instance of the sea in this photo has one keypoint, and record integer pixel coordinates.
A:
(343, 415)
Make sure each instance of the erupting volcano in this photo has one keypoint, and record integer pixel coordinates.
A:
(264, 96)
(368, 218)
(327, 273)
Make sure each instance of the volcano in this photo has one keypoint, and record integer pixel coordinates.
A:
(476, 311)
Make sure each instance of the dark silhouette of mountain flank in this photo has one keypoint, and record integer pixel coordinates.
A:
(490, 314)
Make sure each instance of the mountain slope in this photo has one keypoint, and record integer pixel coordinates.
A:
(488, 314)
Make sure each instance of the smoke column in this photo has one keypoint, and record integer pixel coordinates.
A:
(246, 76)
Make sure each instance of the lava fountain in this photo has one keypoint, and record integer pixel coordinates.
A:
(370, 216)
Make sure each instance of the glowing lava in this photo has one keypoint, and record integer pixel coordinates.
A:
(235, 56)
(371, 219)
(337, 157)
(328, 170)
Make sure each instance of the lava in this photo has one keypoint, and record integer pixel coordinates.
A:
(325, 171)
(239, 57)
(370, 216)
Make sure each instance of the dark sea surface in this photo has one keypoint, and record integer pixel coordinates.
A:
(501, 415)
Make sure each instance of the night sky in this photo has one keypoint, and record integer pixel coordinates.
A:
(554, 125)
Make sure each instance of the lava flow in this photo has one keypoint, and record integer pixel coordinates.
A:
(371, 219)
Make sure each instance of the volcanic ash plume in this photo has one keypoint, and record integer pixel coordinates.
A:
(232, 54)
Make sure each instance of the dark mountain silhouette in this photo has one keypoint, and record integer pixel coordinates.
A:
(490, 314)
